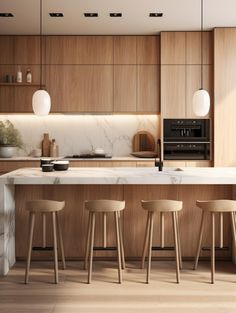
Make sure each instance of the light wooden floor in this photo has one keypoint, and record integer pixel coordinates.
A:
(194, 294)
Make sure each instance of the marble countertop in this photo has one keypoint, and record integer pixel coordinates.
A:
(121, 175)
(114, 158)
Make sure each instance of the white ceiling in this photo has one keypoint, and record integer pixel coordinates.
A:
(178, 15)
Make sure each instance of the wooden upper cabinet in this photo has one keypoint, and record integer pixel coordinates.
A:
(173, 48)
(27, 49)
(185, 48)
(86, 88)
(173, 91)
(125, 88)
(6, 49)
(148, 89)
(193, 48)
(79, 50)
(125, 50)
(148, 49)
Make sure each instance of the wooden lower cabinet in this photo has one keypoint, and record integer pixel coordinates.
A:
(74, 217)
(8, 166)
(188, 163)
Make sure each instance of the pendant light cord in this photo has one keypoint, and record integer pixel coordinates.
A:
(201, 44)
(41, 48)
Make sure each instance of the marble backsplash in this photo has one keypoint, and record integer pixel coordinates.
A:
(82, 133)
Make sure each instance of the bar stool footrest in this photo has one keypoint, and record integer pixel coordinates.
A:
(105, 249)
(216, 248)
(159, 248)
(42, 248)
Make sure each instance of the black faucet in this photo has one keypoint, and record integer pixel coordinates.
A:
(159, 163)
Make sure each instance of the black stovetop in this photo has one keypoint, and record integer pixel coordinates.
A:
(88, 156)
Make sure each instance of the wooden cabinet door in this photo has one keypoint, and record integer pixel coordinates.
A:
(86, 88)
(193, 48)
(6, 50)
(173, 91)
(27, 49)
(125, 88)
(79, 50)
(225, 97)
(173, 48)
(125, 50)
(148, 49)
(6, 99)
(148, 90)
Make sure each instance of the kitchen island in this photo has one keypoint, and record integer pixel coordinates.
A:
(130, 184)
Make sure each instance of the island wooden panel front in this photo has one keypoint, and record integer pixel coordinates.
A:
(74, 218)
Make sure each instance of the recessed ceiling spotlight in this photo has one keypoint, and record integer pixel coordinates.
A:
(156, 14)
(6, 15)
(91, 14)
(56, 14)
(115, 14)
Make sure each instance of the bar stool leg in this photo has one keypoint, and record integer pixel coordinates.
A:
(221, 230)
(118, 247)
(87, 242)
(92, 228)
(31, 232)
(162, 231)
(145, 244)
(150, 235)
(44, 229)
(61, 242)
(54, 227)
(121, 242)
(213, 248)
(176, 245)
(232, 214)
(179, 242)
(199, 241)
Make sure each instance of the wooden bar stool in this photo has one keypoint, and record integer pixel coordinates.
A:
(44, 207)
(213, 207)
(161, 206)
(104, 207)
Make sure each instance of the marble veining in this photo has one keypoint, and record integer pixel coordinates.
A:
(119, 175)
(77, 134)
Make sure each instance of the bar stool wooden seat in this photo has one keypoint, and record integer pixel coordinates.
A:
(104, 207)
(45, 207)
(214, 207)
(161, 206)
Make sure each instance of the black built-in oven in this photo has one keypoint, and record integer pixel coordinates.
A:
(186, 139)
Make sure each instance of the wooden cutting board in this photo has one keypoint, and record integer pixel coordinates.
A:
(143, 141)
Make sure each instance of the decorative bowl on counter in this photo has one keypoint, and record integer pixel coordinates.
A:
(60, 165)
(47, 167)
(7, 151)
(45, 161)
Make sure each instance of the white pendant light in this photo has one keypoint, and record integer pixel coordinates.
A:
(201, 98)
(41, 101)
(201, 102)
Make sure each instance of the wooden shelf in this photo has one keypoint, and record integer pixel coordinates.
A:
(19, 84)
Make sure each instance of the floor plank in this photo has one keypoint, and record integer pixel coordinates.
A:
(104, 294)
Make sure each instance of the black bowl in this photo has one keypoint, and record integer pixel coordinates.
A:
(47, 167)
(45, 161)
(61, 165)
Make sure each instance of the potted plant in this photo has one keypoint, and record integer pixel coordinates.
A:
(10, 139)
